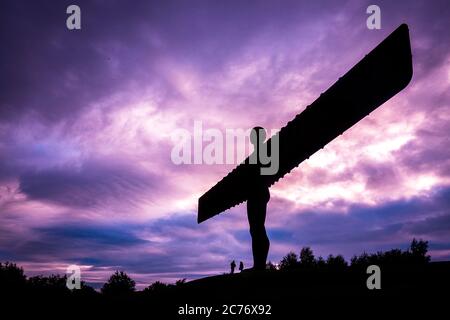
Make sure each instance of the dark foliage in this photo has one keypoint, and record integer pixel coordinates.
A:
(12, 277)
(336, 262)
(54, 284)
(271, 266)
(307, 258)
(416, 255)
(289, 262)
(119, 284)
(156, 286)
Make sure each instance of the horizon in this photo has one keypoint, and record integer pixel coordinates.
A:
(87, 116)
(292, 261)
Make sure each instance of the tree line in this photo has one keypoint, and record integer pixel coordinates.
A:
(13, 278)
(415, 255)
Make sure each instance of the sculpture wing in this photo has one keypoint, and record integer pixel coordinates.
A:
(380, 75)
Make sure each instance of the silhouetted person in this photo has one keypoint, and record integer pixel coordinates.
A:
(241, 266)
(233, 266)
(257, 200)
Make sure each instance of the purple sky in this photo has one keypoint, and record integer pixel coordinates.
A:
(86, 119)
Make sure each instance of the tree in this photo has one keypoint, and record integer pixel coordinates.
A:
(394, 258)
(54, 285)
(320, 263)
(12, 277)
(180, 282)
(289, 261)
(361, 262)
(271, 266)
(119, 284)
(85, 290)
(307, 258)
(156, 288)
(418, 251)
(336, 263)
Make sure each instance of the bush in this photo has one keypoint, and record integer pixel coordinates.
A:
(119, 284)
(414, 256)
(307, 258)
(54, 284)
(156, 288)
(271, 266)
(12, 277)
(320, 263)
(418, 251)
(289, 261)
(336, 263)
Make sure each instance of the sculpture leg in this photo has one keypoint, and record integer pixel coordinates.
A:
(256, 213)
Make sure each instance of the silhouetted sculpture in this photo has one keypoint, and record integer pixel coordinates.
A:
(380, 75)
(258, 196)
(232, 266)
(241, 266)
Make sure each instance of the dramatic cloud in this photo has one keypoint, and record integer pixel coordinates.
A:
(87, 117)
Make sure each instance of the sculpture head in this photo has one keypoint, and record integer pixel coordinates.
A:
(257, 136)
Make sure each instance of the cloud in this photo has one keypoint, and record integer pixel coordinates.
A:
(176, 247)
(373, 228)
(86, 119)
(92, 184)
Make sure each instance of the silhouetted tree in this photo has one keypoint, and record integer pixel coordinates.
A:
(289, 261)
(119, 284)
(271, 266)
(307, 258)
(54, 284)
(392, 257)
(180, 282)
(418, 251)
(85, 290)
(156, 288)
(336, 263)
(320, 263)
(415, 255)
(360, 261)
(12, 277)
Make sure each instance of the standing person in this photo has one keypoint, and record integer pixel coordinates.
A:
(233, 266)
(241, 266)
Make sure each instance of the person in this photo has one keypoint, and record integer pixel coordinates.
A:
(241, 266)
(233, 266)
(258, 196)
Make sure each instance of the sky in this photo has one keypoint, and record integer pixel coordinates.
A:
(87, 120)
